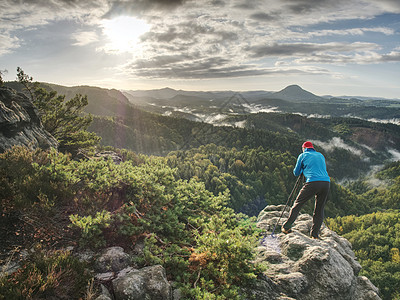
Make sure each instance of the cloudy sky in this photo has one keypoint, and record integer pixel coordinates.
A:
(335, 47)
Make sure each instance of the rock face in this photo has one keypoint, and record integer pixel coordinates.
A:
(20, 123)
(125, 282)
(112, 259)
(146, 283)
(303, 268)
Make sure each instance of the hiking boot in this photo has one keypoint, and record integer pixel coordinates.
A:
(315, 237)
(286, 231)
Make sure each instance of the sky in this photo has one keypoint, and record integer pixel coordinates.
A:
(340, 47)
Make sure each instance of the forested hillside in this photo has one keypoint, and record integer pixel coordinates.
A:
(255, 177)
(376, 236)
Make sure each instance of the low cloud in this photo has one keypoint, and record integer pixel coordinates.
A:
(337, 142)
(395, 121)
(258, 108)
(395, 154)
(241, 124)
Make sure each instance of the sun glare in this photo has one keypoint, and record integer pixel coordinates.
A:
(124, 32)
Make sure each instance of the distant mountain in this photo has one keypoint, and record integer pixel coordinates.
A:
(295, 93)
(361, 98)
(164, 93)
(168, 93)
(292, 99)
(102, 102)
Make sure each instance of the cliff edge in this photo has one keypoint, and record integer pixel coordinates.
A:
(302, 268)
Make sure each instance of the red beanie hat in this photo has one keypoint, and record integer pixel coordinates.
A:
(307, 145)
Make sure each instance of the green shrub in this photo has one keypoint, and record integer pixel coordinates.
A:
(221, 263)
(108, 204)
(45, 275)
(91, 228)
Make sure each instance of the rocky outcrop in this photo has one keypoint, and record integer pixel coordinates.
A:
(120, 281)
(298, 267)
(146, 283)
(303, 268)
(20, 124)
(112, 259)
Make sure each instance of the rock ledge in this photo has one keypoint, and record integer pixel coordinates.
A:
(303, 268)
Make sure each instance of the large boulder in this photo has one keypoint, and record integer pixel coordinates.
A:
(147, 283)
(20, 123)
(117, 276)
(112, 259)
(303, 268)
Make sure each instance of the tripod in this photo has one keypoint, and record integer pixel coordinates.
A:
(297, 184)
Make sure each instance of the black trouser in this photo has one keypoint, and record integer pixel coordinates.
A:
(318, 188)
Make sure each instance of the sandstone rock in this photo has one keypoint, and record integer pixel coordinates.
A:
(20, 123)
(263, 289)
(146, 283)
(305, 269)
(112, 259)
(105, 294)
(104, 277)
(85, 256)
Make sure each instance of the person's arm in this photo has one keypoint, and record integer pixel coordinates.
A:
(298, 169)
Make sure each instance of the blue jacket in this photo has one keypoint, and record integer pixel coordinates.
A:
(312, 164)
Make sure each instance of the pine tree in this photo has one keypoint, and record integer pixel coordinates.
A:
(63, 119)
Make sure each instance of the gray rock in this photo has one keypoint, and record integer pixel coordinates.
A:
(292, 284)
(85, 256)
(263, 289)
(112, 259)
(104, 277)
(365, 290)
(105, 292)
(146, 283)
(305, 269)
(20, 123)
(177, 294)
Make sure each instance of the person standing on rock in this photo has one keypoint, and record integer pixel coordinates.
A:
(312, 165)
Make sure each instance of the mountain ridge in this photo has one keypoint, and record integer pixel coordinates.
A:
(286, 92)
(295, 93)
